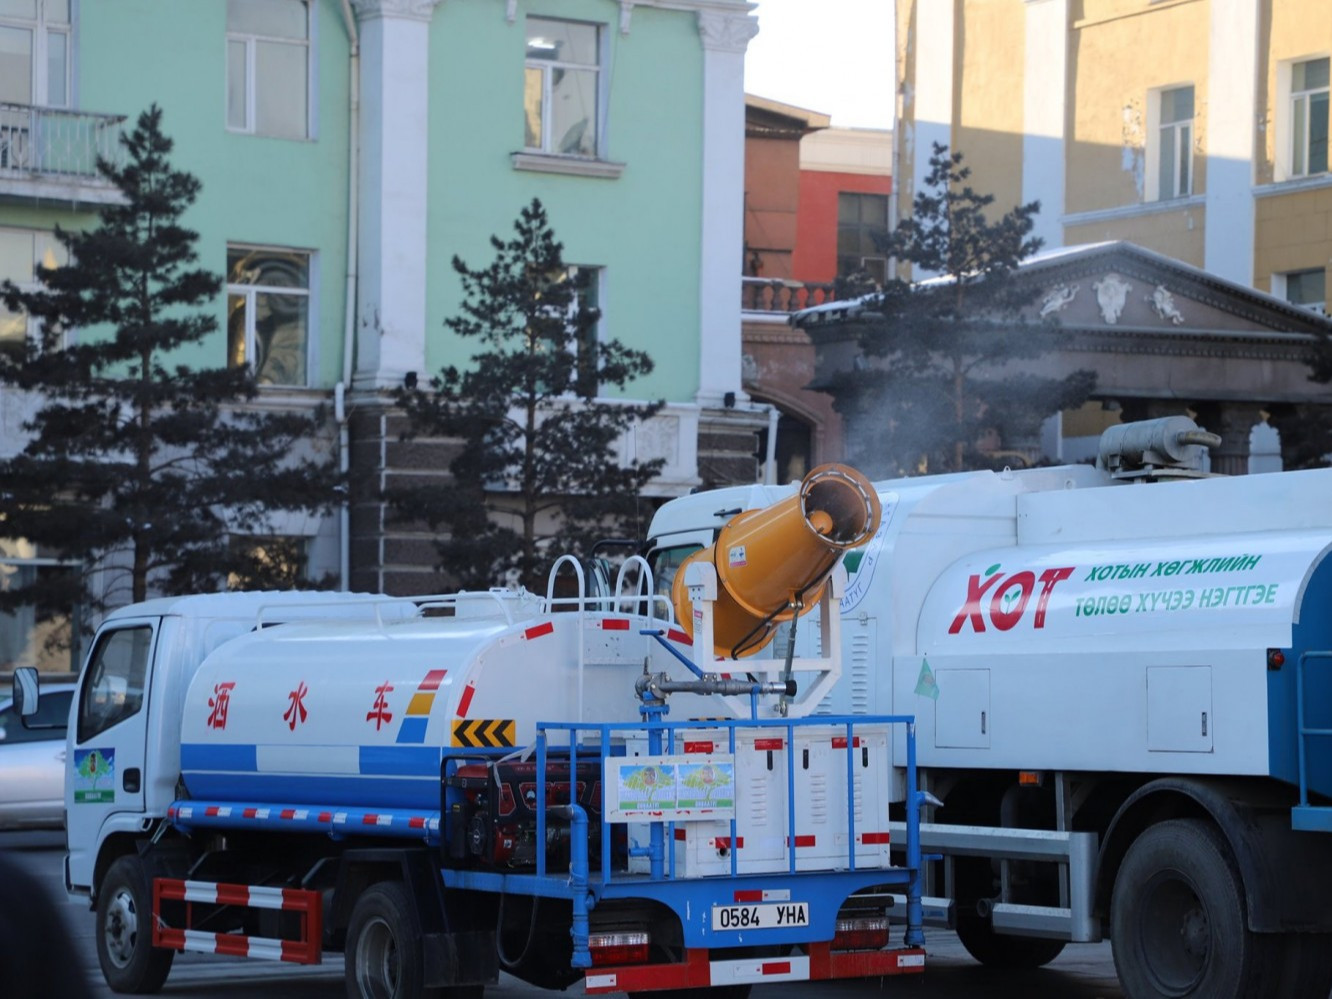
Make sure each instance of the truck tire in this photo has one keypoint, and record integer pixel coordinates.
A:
(383, 959)
(124, 930)
(1003, 950)
(1178, 918)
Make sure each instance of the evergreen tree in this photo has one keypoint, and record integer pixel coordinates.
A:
(1306, 430)
(951, 345)
(137, 468)
(537, 474)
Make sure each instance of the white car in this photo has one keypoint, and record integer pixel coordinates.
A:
(32, 762)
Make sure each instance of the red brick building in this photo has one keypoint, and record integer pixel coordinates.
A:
(814, 198)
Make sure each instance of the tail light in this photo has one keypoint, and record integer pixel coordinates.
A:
(861, 933)
(618, 948)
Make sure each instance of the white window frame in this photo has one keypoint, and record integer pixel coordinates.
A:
(54, 255)
(251, 42)
(598, 282)
(1281, 289)
(43, 30)
(879, 261)
(546, 67)
(1285, 167)
(16, 555)
(1183, 136)
(258, 542)
(250, 292)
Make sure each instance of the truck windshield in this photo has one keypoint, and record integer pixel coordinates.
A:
(665, 563)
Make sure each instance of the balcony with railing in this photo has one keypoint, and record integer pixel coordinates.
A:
(53, 153)
(782, 297)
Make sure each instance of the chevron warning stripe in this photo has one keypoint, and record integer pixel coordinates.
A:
(483, 733)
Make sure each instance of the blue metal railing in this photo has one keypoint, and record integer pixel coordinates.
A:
(573, 741)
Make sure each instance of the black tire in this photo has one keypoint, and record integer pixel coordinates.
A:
(1179, 922)
(383, 959)
(1002, 950)
(124, 930)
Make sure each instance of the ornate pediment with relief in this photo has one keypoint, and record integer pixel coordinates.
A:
(1147, 325)
(1119, 287)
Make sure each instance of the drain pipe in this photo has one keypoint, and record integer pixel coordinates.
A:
(770, 459)
(349, 323)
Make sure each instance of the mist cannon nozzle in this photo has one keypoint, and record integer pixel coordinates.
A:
(773, 564)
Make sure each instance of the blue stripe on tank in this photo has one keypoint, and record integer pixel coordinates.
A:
(406, 761)
(412, 731)
(214, 756)
(308, 789)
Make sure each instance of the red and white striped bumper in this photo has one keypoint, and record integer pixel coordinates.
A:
(697, 972)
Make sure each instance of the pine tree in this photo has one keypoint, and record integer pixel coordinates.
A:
(1306, 430)
(138, 468)
(537, 473)
(951, 346)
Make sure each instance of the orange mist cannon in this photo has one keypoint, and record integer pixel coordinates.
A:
(773, 564)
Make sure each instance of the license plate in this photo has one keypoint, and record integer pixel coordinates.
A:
(763, 916)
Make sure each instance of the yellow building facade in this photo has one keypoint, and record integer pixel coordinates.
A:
(1195, 128)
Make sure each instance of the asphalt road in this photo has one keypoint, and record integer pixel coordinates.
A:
(1083, 971)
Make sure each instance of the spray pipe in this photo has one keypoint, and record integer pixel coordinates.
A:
(658, 684)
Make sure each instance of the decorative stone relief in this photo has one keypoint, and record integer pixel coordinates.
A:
(414, 10)
(726, 32)
(1164, 304)
(1111, 296)
(626, 12)
(658, 437)
(749, 369)
(1058, 298)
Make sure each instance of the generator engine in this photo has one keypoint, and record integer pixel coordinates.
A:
(493, 818)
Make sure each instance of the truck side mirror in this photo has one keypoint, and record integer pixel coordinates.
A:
(27, 691)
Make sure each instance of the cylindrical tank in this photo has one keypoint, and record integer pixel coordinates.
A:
(354, 713)
(773, 564)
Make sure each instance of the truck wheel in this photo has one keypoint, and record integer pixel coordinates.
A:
(1178, 918)
(1003, 950)
(124, 930)
(383, 956)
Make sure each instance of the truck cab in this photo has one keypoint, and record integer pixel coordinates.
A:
(123, 745)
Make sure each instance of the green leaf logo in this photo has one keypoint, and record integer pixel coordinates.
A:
(992, 569)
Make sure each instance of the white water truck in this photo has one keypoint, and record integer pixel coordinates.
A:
(572, 789)
(1122, 680)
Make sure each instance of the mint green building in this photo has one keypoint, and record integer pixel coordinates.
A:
(349, 149)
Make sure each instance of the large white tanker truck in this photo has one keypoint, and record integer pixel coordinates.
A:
(566, 788)
(1122, 681)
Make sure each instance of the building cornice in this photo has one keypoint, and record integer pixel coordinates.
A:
(726, 31)
(406, 10)
(1134, 211)
(1298, 185)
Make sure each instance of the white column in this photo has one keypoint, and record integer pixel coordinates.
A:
(390, 313)
(1044, 105)
(725, 38)
(1232, 80)
(935, 42)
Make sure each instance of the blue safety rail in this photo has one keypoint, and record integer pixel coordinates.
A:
(823, 889)
(1304, 816)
